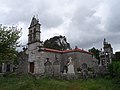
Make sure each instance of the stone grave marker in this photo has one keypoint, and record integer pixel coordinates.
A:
(70, 66)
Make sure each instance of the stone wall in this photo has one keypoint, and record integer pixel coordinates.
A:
(54, 60)
(58, 61)
(79, 58)
(22, 62)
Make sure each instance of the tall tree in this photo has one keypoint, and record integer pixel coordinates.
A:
(57, 42)
(8, 41)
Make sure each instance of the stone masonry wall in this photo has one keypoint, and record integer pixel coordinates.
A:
(42, 59)
(79, 58)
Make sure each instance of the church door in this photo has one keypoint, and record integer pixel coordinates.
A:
(32, 67)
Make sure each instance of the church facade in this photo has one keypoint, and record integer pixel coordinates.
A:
(47, 61)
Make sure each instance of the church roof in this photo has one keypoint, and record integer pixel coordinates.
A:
(65, 51)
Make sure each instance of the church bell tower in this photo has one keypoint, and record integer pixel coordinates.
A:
(34, 31)
(33, 44)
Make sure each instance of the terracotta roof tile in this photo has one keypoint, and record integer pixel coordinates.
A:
(65, 51)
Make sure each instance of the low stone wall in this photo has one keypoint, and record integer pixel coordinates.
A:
(62, 76)
(80, 75)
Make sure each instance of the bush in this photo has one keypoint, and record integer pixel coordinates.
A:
(114, 69)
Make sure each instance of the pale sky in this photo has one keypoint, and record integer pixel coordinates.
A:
(85, 23)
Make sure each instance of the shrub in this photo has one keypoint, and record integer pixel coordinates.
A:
(114, 69)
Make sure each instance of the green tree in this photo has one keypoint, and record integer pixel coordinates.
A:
(114, 69)
(8, 41)
(57, 42)
(95, 52)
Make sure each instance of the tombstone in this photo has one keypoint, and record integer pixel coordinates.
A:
(70, 66)
(48, 67)
(56, 67)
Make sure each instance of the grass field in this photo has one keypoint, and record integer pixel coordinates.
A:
(28, 82)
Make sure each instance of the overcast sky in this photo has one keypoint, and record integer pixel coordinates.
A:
(85, 23)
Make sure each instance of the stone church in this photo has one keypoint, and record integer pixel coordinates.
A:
(46, 61)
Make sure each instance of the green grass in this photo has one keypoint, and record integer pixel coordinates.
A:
(28, 82)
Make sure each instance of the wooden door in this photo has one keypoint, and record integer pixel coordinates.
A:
(32, 67)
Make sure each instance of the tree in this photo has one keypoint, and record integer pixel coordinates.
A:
(57, 42)
(95, 52)
(8, 41)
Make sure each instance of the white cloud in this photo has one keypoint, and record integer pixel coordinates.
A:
(84, 22)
